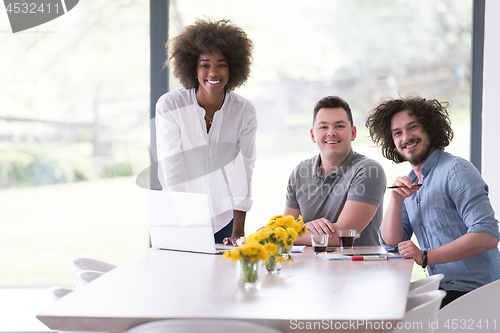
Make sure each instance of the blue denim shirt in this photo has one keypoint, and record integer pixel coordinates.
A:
(452, 201)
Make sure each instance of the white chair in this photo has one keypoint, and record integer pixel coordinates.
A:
(83, 264)
(58, 292)
(476, 310)
(426, 284)
(79, 264)
(421, 310)
(87, 276)
(201, 325)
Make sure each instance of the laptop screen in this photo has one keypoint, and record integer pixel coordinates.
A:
(180, 221)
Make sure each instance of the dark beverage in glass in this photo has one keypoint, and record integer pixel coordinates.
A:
(319, 242)
(347, 237)
(319, 249)
(347, 242)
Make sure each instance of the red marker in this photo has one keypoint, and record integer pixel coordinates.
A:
(369, 258)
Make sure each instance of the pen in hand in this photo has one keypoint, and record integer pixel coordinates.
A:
(401, 186)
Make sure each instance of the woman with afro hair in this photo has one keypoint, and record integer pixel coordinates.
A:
(205, 133)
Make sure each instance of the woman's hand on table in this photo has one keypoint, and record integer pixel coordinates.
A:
(230, 241)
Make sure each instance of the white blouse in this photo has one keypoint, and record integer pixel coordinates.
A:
(218, 163)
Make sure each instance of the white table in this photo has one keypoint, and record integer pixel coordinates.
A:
(162, 284)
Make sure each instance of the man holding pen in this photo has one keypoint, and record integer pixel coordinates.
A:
(443, 201)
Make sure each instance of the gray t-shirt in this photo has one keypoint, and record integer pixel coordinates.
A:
(358, 178)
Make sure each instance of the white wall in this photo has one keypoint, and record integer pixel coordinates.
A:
(491, 104)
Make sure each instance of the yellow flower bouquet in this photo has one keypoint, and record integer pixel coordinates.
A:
(248, 255)
(278, 237)
(268, 244)
(273, 240)
(295, 228)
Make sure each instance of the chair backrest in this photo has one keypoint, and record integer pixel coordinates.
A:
(201, 325)
(426, 284)
(421, 310)
(79, 264)
(87, 276)
(58, 292)
(476, 310)
(82, 264)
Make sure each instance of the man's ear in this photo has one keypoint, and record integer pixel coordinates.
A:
(312, 135)
(354, 132)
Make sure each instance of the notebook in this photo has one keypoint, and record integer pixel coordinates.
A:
(181, 221)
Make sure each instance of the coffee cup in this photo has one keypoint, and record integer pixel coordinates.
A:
(319, 242)
(346, 237)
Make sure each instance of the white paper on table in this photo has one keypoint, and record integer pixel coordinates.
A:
(298, 248)
(334, 256)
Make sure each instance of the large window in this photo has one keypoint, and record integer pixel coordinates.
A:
(360, 50)
(72, 91)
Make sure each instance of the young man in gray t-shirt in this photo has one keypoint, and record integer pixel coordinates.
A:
(338, 188)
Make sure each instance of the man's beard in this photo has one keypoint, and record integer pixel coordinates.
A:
(419, 157)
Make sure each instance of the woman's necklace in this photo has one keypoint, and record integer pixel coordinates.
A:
(211, 119)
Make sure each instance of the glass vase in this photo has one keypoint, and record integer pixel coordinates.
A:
(286, 253)
(273, 265)
(248, 273)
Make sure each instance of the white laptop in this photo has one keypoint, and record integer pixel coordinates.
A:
(181, 221)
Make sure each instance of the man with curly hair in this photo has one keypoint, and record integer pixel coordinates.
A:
(443, 201)
(338, 188)
(205, 133)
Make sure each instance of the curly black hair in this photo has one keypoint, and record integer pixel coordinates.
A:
(206, 36)
(432, 115)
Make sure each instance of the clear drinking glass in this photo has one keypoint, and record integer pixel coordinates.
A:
(319, 242)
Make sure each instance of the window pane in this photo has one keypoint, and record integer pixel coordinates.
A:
(70, 92)
(360, 50)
